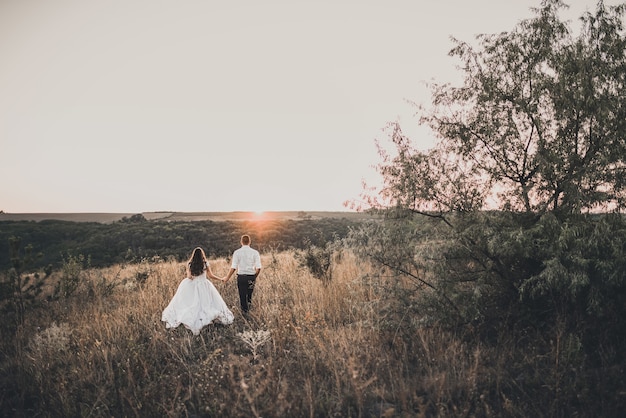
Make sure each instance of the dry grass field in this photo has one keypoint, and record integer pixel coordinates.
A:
(351, 348)
(308, 350)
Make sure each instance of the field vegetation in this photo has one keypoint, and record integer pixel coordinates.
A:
(365, 343)
(137, 237)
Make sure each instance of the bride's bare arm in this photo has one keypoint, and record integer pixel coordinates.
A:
(210, 274)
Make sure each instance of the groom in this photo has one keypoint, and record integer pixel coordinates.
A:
(247, 264)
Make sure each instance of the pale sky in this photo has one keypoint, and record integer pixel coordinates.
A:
(204, 105)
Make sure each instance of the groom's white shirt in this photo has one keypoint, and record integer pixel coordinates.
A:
(246, 260)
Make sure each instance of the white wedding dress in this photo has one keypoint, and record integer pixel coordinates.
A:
(197, 303)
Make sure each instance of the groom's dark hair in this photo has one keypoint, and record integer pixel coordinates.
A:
(245, 239)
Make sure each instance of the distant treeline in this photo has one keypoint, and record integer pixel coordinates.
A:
(134, 238)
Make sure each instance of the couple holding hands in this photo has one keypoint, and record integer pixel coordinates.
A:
(197, 302)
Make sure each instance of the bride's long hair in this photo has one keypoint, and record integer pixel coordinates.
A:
(198, 262)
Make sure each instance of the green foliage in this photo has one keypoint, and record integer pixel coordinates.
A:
(584, 264)
(137, 218)
(124, 241)
(319, 260)
(530, 145)
(72, 273)
(19, 290)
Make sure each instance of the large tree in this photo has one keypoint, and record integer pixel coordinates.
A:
(531, 147)
(538, 125)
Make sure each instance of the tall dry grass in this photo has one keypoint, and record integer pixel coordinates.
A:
(307, 350)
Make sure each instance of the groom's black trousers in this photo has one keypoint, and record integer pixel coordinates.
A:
(245, 284)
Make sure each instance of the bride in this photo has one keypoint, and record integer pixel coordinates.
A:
(197, 302)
